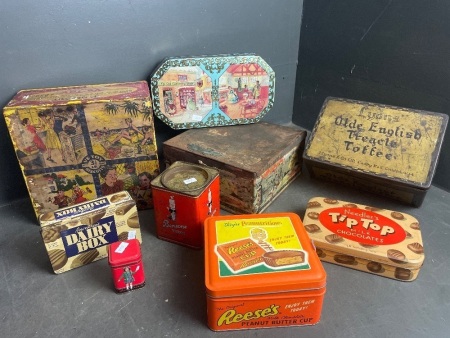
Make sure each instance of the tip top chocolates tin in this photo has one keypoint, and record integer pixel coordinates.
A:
(261, 271)
(379, 241)
(386, 150)
(185, 195)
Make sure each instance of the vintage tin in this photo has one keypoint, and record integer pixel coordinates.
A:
(78, 235)
(256, 162)
(125, 260)
(379, 241)
(261, 271)
(78, 143)
(185, 195)
(217, 90)
(389, 151)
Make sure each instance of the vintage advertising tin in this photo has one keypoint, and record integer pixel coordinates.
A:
(261, 271)
(389, 151)
(125, 260)
(218, 90)
(78, 143)
(379, 241)
(78, 235)
(185, 195)
(256, 161)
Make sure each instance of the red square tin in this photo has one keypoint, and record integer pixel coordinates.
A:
(125, 260)
(261, 271)
(185, 195)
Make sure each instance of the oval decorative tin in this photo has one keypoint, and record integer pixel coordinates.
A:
(185, 195)
(379, 241)
(261, 271)
(206, 91)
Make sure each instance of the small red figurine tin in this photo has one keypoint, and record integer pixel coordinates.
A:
(125, 260)
(185, 195)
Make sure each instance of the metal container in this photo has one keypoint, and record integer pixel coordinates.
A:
(261, 271)
(389, 151)
(256, 161)
(78, 235)
(125, 260)
(78, 143)
(215, 90)
(379, 241)
(185, 195)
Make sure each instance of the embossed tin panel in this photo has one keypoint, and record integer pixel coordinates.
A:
(209, 91)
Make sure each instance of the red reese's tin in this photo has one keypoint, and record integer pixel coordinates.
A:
(261, 271)
(125, 260)
(185, 195)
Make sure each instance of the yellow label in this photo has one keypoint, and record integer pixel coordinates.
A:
(391, 141)
(258, 245)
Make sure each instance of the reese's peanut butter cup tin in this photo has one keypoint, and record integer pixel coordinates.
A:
(261, 271)
(80, 234)
(185, 195)
(379, 241)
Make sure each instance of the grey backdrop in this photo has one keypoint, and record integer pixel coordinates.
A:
(393, 52)
(74, 42)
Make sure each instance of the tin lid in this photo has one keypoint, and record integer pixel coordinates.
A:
(259, 254)
(380, 235)
(378, 140)
(212, 90)
(124, 252)
(187, 178)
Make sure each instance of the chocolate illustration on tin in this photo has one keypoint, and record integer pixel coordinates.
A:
(260, 252)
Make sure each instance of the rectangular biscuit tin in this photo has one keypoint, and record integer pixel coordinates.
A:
(386, 150)
(261, 271)
(379, 241)
(256, 161)
(185, 194)
(78, 235)
(125, 260)
(78, 143)
(216, 90)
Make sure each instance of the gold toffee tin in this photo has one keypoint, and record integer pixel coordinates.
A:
(379, 241)
(389, 151)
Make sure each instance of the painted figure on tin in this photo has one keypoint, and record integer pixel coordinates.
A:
(128, 277)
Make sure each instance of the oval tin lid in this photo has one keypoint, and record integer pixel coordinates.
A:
(380, 235)
(185, 178)
(259, 254)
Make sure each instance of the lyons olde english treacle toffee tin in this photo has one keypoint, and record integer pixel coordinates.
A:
(261, 271)
(389, 151)
(185, 195)
(379, 241)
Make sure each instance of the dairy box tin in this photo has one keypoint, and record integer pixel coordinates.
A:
(125, 260)
(78, 143)
(379, 241)
(185, 195)
(78, 235)
(261, 271)
(256, 161)
(389, 151)
(218, 90)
